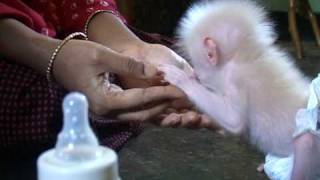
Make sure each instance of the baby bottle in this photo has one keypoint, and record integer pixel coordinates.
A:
(77, 154)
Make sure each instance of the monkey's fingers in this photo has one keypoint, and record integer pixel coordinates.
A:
(173, 74)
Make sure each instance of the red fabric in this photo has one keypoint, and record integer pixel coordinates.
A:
(68, 16)
(51, 16)
(20, 11)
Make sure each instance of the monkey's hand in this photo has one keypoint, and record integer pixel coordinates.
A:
(230, 116)
(177, 77)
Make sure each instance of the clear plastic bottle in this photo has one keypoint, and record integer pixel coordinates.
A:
(77, 154)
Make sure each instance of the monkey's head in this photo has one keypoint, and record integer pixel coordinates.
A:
(213, 34)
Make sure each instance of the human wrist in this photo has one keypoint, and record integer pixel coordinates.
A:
(42, 49)
(134, 49)
(53, 57)
(107, 29)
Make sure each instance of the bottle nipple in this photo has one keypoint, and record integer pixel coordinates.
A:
(76, 142)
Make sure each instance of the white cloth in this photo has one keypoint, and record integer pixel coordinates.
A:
(279, 168)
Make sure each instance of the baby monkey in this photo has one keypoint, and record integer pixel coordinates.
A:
(244, 82)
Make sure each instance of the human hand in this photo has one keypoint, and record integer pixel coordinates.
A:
(190, 119)
(156, 55)
(81, 66)
(187, 118)
(121, 39)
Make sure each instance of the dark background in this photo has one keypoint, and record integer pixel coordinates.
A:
(163, 16)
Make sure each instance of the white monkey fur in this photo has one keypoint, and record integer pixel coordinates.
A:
(258, 84)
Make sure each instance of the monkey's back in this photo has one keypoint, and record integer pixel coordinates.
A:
(277, 89)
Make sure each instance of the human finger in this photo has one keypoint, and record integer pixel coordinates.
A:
(209, 123)
(125, 65)
(182, 104)
(170, 110)
(133, 98)
(143, 115)
(171, 120)
(190, 120)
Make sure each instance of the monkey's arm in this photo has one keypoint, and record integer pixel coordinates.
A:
(216, 106)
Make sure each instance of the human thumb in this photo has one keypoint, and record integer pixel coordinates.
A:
(128, 66)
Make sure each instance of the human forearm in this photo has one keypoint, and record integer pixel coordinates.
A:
(107, 29)
(25, 46)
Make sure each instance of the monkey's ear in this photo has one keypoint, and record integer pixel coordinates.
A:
(211, 50)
